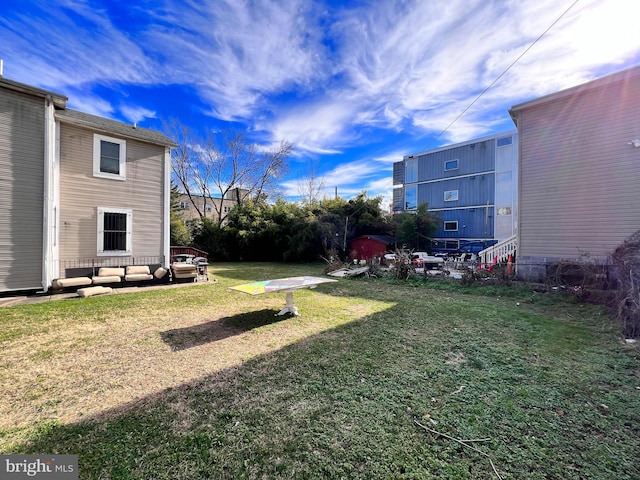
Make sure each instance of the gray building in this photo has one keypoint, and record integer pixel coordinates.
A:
(471, 187)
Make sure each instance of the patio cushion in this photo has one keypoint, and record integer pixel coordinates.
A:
(70, 282)
(111, 272)
(90, 291)
(98, 279)
(160, 273)
(137, 270)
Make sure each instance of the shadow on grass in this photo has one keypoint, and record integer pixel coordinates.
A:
(308, 409)
(216, 330)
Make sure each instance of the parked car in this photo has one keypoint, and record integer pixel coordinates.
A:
(424, 260)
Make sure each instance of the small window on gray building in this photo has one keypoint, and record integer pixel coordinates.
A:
(452, 244)
(451, 165)
(184, 205)
(450, 226)
(451, 196)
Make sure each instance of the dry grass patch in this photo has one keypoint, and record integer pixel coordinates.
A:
(115, 350)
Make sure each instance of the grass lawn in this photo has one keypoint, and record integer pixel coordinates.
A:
(203, 382)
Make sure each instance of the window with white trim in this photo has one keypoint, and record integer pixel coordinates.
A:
(450, 226)
(184, 205)
(109, 157)
(451, 196)
(114, 231)
(451, 165)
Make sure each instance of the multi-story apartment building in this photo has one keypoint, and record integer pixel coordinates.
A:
(195, 206)
(471, 187)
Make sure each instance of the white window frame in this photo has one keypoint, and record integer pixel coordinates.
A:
(100, 239)
(451, 195)
(449, 161)
(97, 150)
(184, 205)
(450, 229)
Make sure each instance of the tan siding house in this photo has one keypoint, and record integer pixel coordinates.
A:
(78, 191)
(579, 172)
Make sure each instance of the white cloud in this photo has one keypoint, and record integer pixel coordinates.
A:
(316, 74)
(235, 53)
(96, 52)
(136, 114)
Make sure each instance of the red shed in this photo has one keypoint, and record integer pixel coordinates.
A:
(368, 246)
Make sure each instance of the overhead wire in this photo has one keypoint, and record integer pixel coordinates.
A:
(502, 74)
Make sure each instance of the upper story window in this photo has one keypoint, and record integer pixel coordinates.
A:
(411, 170)
(451, 196)
(109, 157)
(208, 208)
(184, 205)
(451, 165)
(411, 197)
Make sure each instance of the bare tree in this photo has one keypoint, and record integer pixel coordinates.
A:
(225, 166)
(310, 187)
(184, 161)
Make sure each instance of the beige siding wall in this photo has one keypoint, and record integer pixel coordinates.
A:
(580, 178)
(21, 190)
(82, 193)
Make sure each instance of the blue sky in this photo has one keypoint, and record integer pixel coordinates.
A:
(354, 85)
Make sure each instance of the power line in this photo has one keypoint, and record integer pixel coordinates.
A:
(503, 73)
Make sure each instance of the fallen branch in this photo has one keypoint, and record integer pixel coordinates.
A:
(462, 442)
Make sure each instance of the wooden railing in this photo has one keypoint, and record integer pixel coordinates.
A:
(178, 250)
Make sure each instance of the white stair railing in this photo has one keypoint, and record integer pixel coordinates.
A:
(502, 250)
